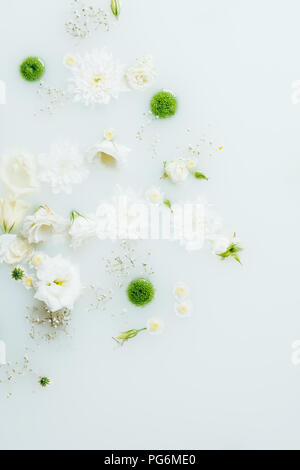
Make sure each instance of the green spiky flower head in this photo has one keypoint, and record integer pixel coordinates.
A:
(140, 292)
(32, 69)
(17, 274)
(164, 104)
(44, 381)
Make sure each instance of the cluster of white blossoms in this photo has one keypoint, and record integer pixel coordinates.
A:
(97, 77)
(178, 170)
(64, 166)
(183, 306)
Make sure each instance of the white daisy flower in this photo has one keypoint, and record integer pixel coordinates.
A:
(181, 291)
(142, 74)
(108, 153)
(155, 326)
(63, 167)
(37, 258)
(154, 195)
(183, 309)
(28, 281)
(97, 78)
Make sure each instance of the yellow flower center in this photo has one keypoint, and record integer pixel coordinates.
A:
(154, 326)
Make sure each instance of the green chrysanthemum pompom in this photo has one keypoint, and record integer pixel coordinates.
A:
(32, 69)
(164, 104)
(17, 274)
(44, 381)
(140, 292)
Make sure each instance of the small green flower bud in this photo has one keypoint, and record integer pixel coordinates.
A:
(115, 8)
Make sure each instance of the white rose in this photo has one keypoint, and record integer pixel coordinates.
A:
(40, 226)
(142, 74)
(177, 171)
(57, 283)
(14, 250)
(81, 229)
(18, 173)
(220, 245)
(12, 212)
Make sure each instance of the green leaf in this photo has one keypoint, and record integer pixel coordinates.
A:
(200, 176)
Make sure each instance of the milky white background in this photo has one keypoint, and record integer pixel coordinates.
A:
(223, 378)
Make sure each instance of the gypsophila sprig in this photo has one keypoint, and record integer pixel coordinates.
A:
(115, 8)
(140, 292)
(232, 251)
(32, 69)
(44, 382)
(127, 335)
(17, 274)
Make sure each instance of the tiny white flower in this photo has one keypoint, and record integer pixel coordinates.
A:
(142, 74)
(40, 226)
(18, 173)
(12, 212)
(220, 245)
(181, 291)
(109, 134)
(109, 153)
(154, 195)
(155, 326)
(37, 259)
(176, 170)
(28, 282)
(63, 167)
(97, 78)
(81, 229)
(14, 250)
(191, 164)
(58, 283)
(183, 309)
(70, 60)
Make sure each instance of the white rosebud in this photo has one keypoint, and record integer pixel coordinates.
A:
(40, 226)
(12, 212)
(220, 245)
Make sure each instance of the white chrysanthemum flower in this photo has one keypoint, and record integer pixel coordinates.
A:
(97, 78)
(154, 195)
(40, 226)
(14, 250)
(183, 309)
(81, 229)
(18, 173)
(63, 167)
(109, 153)
(58, 283)
(220, 244)
(142, 74)
(37, 258)
(70, 60)
(181, 291)
(176, 170)
(155, 326)
(12, 212)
